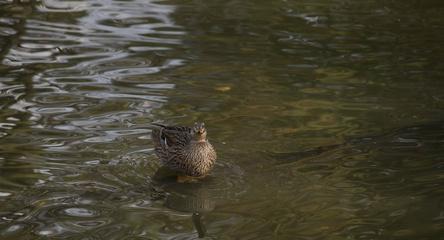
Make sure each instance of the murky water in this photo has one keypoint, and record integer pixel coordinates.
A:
(327, 116)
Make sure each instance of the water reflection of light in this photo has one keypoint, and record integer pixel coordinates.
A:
(76, 75)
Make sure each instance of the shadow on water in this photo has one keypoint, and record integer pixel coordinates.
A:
(194, 198)
(410, 137)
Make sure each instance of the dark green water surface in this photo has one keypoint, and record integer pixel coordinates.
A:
(327, 116)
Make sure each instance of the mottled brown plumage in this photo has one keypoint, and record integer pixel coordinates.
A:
(184, 149)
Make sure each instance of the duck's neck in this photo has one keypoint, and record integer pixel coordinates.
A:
(197, 141)
(199, 138)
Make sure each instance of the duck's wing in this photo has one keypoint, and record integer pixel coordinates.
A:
(168, 136)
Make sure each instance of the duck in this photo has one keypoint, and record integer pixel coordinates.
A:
(184, 150)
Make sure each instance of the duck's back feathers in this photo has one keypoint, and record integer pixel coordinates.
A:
(168, 136)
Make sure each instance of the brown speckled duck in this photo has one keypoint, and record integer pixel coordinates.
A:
(184, 150)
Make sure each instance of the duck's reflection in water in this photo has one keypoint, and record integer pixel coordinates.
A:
(191, 197)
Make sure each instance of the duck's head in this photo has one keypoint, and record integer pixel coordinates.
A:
(199, 132)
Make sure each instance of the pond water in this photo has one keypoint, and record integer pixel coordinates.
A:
(327, 116)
